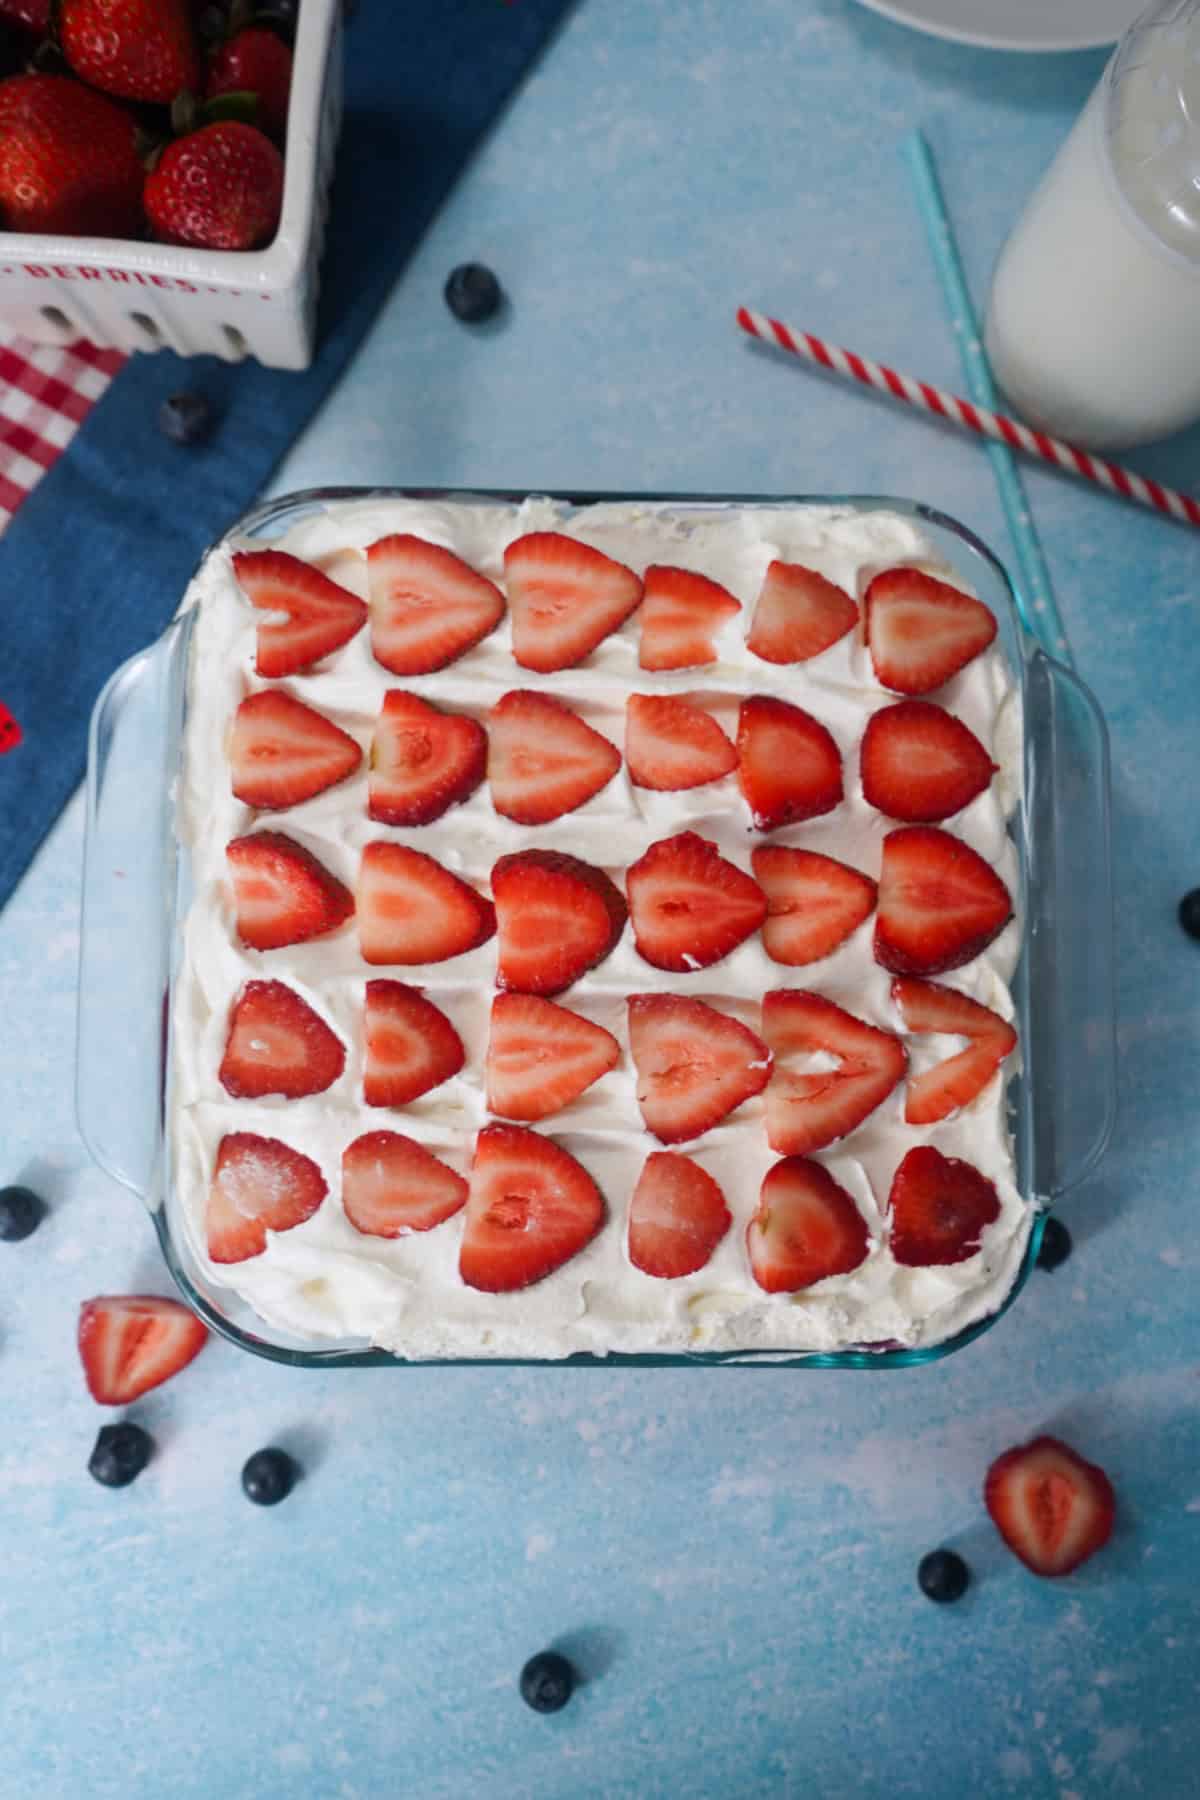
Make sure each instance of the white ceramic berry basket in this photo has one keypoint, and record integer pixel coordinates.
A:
(232, 304)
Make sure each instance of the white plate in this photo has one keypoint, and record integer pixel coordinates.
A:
(1017, 24)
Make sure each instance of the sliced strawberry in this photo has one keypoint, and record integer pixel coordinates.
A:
(392, 1185)
(920, 763)
(681, 616)
(939, 902)
(540, 1057)
(130, 1343)
(423, 761)
(694, 1064)
(671, 744)
(1052, 1508)
(427, 605)
(798, 614)
(277, 1044)
(556, 916)
(807, 1110)
(564, 598)
(677, 1216)
(806, 1228)
(954, 1083)
(688, 905)
(921, 631)
(411, 1046)
(939, 1206)
(789, 767)
(321, 616)
(282, 752)
(814, 902)
(282, 894)
(532, 1207)
(259, 1185)
(543, 760)
(412, 910)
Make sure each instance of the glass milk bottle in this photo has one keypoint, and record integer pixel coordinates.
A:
(1093, 326)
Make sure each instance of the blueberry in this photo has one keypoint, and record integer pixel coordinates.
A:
(185, 418)
(943, 1576)
(1189, 912)
(21, 1212)
(1055, 1246)
(472, 293)
(269, 1476)
(121, 1453)
(547, 1681)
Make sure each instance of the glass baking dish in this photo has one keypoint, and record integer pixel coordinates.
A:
(135, 892)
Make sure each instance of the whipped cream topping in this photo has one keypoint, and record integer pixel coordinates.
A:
(324, 1280)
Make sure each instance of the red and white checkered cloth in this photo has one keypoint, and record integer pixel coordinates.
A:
(46, 392)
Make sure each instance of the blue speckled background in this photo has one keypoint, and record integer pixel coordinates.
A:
(730, 1555)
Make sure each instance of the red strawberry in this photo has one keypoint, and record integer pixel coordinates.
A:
(423, 761)
(1052, 1508)
(411, 1046)
(806, 1111)
(789, 767)
(277, 1044)
(564, 598)
(136, 49)
(798, 614)
(392, 1185)
(688, 905)
(954, 1083)
(671, 744)
(556, 917)
(694, 1064)
(427, 605)
(130, 1343)
(10, 731)
(282, 894)
(68, 160)
(532, 1207)
(540, 1057)
(321, 616)
(920, 763)
(681, 616)
(939, 902)
(806, 1228)
(921, 631)
(677, 1216)
(219, 188)
(259, 1185)
(412, 910)
(939, 1206)
(255, 61)
(282, 752)
(543, 760)
(814, 902)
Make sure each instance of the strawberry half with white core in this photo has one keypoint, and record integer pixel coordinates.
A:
(319, 616)
(556, 917)
(391, 1185)
(694, 1064)
(282, 894)
(921, 764)
(798, 614)
(423, 761)
(259, 1184)
(411, 1046)
(543, 759)
(808, 1108)
(921, 631)
(806, 1229)
(681, 616)
(689, 906)
(541, 1056)
(671, 744)
(277, 1044)
(814, 902)
(411, 910)
(532, 1207)
(427, 605)
(940, 904)
(130, 1343)
(282, 752)
(940, 1207)
(564, 598)
(1052, 1508)
(927, 1006)
(677, 1216)
(789, 767)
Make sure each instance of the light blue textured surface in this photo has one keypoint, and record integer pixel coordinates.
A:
(730, 1555)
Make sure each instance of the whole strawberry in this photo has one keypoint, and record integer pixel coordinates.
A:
(68, 160)
(255, 62)
(219, 188)
(138, 49)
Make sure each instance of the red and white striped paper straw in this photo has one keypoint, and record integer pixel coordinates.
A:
(1110, 475)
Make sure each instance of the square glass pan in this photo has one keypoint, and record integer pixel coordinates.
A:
(136, 890)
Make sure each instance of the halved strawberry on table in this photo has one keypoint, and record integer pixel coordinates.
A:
(282, 893)
(789, 767)
(928, 1006)
(671, 744)
(556, 917)
(689, 905)
(940, 1207)
(541, 1056)
(808, 1108)
(940, 904)
(532, 1207)
(694, 1064)
(814, 902)
(564, 598)
(806, 1229)
(677, 1216)
(921, 631)
(282, 752)
(423, 761)
(259, 1184)
(682, 613)
(410, 1044)
(413, 910)
(798, 614)
(391, 1185)
(277, 1044)
(1051, 1506)
(319, 616)
(543, 759)
(428, 607)
(130, 1343)
(920, 764)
